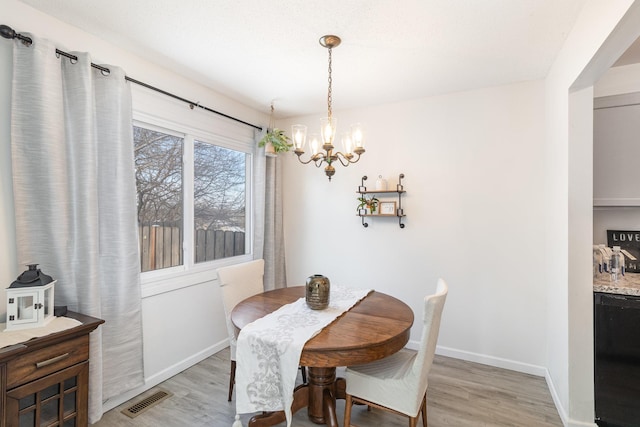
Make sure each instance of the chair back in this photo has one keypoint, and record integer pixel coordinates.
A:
(238, 282)
(433, 305)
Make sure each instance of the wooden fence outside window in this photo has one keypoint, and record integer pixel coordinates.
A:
(161, 245)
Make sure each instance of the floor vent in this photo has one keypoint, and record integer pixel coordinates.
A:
(146, 403)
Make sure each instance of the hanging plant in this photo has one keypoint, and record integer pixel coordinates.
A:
(278, 140)
(275, 139)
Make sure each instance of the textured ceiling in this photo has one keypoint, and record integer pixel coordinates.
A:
(257, 51)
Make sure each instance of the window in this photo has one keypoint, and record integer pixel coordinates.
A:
(192, 198)
(219, 194)
(158, 160)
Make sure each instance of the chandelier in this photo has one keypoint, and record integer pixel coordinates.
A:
(322, 150)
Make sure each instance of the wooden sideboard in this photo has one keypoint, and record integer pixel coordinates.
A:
(45, 381)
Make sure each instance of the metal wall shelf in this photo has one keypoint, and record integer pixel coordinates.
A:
(399, 211)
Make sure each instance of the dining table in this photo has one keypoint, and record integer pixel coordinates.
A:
(376, 327)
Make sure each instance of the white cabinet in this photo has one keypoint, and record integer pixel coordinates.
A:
(616, 150)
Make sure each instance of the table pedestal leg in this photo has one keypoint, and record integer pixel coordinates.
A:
(319, 396)
(322, 391)
(267, 419)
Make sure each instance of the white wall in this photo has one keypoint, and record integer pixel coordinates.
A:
(473, 163)
(580, 289)
(600, 35)
(180, 327)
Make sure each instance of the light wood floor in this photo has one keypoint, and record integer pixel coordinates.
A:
(460, 394)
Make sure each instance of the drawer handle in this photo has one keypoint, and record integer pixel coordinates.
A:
(51, 361)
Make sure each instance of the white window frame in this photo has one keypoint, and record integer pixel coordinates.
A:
(189, 273)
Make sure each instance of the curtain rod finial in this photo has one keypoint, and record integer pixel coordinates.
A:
(7, 32)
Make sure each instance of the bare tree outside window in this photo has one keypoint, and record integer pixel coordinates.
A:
(218, 196)
(219, 201)
(158, 160)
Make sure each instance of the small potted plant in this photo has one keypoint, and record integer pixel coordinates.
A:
(368, 205)
(275, 142)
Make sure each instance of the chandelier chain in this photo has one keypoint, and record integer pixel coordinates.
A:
(329, 91)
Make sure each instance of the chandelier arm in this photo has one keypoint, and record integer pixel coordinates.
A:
(318, 160)
(303, 162)
(356, 160)
(343, 158)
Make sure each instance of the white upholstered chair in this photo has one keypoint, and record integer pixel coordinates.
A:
(238, 282)
(398, 383)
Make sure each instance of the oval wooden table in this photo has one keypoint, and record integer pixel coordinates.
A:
(376, 327)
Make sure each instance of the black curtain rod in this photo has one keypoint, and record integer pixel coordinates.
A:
(8, 33)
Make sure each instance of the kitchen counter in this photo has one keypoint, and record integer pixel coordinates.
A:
(629, 284)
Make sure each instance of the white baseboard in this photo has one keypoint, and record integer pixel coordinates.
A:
(165, 374)
(513, 365)
(574, 423)
(498, 362)
(566, 421)
(556, 399)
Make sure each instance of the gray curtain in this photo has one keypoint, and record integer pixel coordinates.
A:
(75, 202)
(268, 221)
(275, 267)
(259, 186)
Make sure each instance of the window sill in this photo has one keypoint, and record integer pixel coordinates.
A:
(196, 275)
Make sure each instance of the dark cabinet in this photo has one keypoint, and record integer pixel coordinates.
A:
(617, 360)
(58, 399)
(45, 381)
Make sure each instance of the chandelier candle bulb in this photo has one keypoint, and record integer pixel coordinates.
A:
(299, 136)
(347, 143)
(328, 126)
(315, 145)
(356, 134)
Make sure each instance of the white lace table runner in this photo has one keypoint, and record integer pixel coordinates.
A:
(269, 349)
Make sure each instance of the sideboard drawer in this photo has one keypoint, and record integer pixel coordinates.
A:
(38, 363)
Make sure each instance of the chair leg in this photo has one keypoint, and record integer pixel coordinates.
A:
(232, 378)
(303, 370)
(424, 410)
(347, 410)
